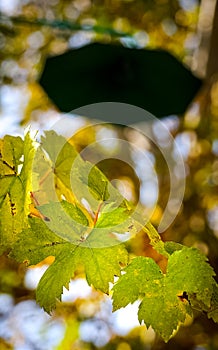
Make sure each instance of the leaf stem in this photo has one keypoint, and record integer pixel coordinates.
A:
(44, 177)
(155, 239)
(67, 25)
(97, 213)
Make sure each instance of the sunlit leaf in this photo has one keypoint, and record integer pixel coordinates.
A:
(163, 305)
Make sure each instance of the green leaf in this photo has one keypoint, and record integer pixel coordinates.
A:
(12, 217)
(163, 311)
(111, 216)
(135, 282)
(65, 219)
(89, 183)
(56, 277)
(100, 264)
(191, 273)
(81, 177)
(15, 187)
(44, 181)
(116, 219)
(160, 307)
(36, 243)
(12, 211)
(57, 147)
(97, 181)
(171, 247)
(11, 150)
(61, 155)
(5, 183)
(26, 175)
(66, 232)
(163, 306)
(52, 168)
(212, 312)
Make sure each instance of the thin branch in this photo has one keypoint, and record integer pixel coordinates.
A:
(66, 25)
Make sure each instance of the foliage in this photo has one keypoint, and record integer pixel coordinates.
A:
(37, 221)
(166, 24)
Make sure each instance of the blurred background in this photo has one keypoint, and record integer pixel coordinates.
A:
(30, 31)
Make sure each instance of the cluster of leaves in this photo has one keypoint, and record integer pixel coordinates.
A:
(53, 203)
